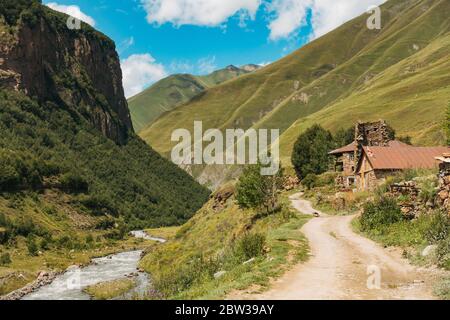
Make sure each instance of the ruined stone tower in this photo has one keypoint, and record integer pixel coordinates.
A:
(372, 134)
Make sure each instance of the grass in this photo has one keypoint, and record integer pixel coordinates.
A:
(111, 289)
(212, 235)
(401, 234)
(167, 233)
(442, 290)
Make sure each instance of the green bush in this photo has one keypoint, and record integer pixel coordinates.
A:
(73, 182)
(310, 181)
(250, 246)
(443, 253)
(382, 212)
(32, 246)
(258, 191)
(439, 228)
(5, 259)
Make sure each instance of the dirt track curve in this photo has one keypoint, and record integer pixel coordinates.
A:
(339, 265)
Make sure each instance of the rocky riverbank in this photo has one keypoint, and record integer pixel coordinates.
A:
(44, 278)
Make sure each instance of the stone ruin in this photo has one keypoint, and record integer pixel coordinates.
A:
(443, 197)
(371, 134)
(412, 205)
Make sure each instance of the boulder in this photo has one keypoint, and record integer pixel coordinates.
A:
(429, 250)
(219, 274)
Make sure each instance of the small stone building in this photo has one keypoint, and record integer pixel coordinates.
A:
(345, 162)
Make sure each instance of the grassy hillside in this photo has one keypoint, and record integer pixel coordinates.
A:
(215, 240)
(399, 73)
(174, 90)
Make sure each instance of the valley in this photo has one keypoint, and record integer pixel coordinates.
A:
(94, 206)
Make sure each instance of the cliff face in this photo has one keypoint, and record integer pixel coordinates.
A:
(76, 69)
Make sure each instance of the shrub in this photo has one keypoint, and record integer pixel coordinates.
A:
(382, 212)
(5, 259)
(443, 253)
(9, 177)
(250, 246)
(32, 246)
(310, 154)
(310, 181)
(439, 228)
(255, 190)
(73, 182)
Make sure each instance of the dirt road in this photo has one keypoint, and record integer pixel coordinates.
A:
(342, 263)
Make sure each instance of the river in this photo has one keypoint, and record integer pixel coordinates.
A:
(70, 284)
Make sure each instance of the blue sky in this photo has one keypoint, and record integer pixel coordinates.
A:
(156, 38)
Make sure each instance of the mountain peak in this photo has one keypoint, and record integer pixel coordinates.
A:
(250, 67)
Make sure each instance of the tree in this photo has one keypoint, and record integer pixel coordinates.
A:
(447, 124)
(32, 246)
(257, 191)
(405, 139)
(344, 137)
(310, 154)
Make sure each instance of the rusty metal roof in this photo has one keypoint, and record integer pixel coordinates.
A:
(404, 158)
(351, 147)
(347, 148)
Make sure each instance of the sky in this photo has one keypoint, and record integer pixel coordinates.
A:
(156, 38)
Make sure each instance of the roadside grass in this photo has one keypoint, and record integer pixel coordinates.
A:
(442, 290)
(111, 289)
(401, 234)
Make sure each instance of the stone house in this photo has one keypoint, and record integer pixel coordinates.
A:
(377, 163)
(366, 162)
(345, 162)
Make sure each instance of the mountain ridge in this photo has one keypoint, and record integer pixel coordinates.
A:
(347, 72)
(175, 90)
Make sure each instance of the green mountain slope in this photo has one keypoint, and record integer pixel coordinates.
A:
(174, 90)
(399, 73)
(72, 133)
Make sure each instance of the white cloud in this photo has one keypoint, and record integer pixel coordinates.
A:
(125, 45)
(329, 14)
(72, 10)
(264, 63)
(207, 65)
(285, 17)
(198, 12)
(289, 16)
(140, 71)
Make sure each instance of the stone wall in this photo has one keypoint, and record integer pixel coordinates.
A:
(411, 205)
(444, 186)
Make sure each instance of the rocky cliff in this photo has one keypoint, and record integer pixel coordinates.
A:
(78, 69)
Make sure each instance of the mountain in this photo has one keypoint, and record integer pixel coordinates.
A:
(67, 140)
(175, 90)
(400, 73)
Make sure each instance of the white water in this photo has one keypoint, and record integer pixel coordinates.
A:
(70, 284)
(144, 235)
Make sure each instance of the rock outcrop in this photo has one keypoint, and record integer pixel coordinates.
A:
(75, 69)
